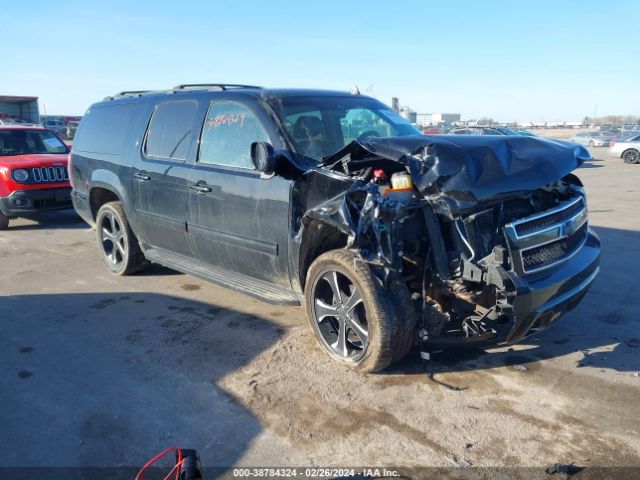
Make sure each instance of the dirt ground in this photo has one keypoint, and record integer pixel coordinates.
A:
(102, 370)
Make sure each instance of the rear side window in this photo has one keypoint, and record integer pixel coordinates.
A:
(103, 129)
(170, 130)
(229, 130)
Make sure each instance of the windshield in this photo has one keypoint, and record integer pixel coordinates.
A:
(320, 126)
(508, 131)
(22, 142)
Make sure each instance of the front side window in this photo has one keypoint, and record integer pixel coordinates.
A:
(25, 142)
(320, 126)
(170, 130)
(228, 132)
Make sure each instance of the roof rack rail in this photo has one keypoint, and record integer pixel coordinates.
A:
(132, 92)
(221, 86)
(127, 93)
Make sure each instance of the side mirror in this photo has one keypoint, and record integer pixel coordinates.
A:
(263, 158)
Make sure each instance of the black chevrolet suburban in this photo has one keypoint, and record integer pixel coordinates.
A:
(389, 238)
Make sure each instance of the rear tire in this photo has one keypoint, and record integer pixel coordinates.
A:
(354, 319)
(118, 245)
(631, 156)
(4, 221)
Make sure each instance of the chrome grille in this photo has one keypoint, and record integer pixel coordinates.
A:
(548, 238)
(524, 227)
(49, 174)
(538, 257)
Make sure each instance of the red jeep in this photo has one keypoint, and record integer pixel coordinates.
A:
(34, 174)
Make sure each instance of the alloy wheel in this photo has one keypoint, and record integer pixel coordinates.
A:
(112, 239)
(340, 315)
(631, 156)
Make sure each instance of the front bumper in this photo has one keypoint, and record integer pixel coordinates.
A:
(542, 298)
(26, 202)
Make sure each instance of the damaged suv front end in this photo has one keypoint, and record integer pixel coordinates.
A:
(490, 234)
(388, 237)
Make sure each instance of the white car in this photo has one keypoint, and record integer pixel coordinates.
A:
(56, 126)
(592, 139)
(628, 149)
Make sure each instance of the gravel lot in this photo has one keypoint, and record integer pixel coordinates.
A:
(99, 370)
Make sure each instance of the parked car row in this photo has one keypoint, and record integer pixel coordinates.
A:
(489, 131)
(476, 130)
(627, 148)
(14, 121)
(593, 139)
(61, 128)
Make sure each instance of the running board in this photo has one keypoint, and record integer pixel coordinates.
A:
(266, 291)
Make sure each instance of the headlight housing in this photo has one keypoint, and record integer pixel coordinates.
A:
(20, 175)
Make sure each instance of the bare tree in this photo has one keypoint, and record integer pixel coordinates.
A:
(486, 121)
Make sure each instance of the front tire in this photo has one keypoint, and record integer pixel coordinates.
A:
(631, 156)
(4, 221)
(117, 244)
(354, 319)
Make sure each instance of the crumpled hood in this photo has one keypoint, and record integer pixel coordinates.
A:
(467, 169)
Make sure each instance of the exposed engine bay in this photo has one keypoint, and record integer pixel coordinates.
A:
(460, 225)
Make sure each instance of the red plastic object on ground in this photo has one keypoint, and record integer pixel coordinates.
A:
(187, 465)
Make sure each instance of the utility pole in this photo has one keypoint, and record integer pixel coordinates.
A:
(595, 113)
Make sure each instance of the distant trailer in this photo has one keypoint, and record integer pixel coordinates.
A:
(22, 108)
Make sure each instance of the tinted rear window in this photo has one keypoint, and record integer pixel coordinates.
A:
(171, 129)
(103, 129)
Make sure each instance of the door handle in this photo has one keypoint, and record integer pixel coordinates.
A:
(199, 189)
(142, 176)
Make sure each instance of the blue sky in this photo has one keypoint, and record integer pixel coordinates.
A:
(534, 60)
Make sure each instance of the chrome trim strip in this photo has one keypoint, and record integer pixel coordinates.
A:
(555, 225)
(558, 231)
(573, 230)
(546, 213)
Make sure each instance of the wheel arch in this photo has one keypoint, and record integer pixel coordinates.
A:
(317, 238)
(99, 195)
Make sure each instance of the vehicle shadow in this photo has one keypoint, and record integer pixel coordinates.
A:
(591, 163)
(111, 379)
(156, 270)
(59, 219)
(604, 328)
